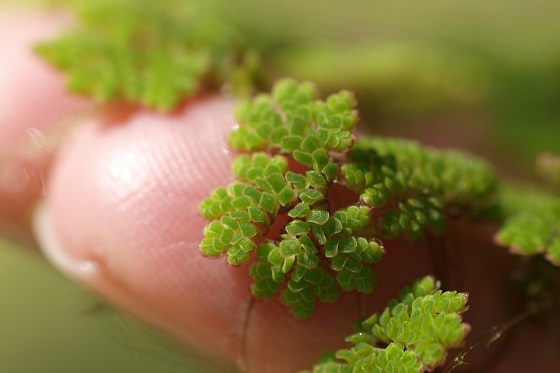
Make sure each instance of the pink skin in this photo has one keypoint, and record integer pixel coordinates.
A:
(18, 64)
(32, 99)
(120, 215)
(143, 180)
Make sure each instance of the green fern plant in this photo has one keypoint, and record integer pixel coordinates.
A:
(297, 148)
(401, 189)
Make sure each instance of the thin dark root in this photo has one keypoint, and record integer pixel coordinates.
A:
(495, 333)
(361, 306)
(440, 258)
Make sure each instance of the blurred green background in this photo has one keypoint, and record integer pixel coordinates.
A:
(48, 324)
(486, 72)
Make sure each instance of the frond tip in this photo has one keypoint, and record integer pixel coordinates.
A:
(293, 121)
(531, 222)
(417, 331)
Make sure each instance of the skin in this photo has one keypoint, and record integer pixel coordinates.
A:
(32, 101)
(116, 209)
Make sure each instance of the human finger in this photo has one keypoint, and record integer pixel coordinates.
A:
(33, 101)
(121, 215)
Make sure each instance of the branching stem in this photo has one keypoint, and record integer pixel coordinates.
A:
(495, 333)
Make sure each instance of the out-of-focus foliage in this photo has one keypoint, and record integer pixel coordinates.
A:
(394, 78)
(154, 53)
(548, 168)
(532, 222)
(50, 324)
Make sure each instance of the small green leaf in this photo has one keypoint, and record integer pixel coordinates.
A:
(291, 143)
(307, 261)
(316, 180)
(287, 196)
(330, 170)
(268, 203)
(331, 250)
(311, 196)
(298, 181)
(301, 210)
(311, 144)
(298, 228)
(318, 216)
(290, 248)
(303, 158)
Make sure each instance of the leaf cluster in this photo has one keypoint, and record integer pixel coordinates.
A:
(410, 335)
(403, 188)
(292, 121)
(413, 184)
(319, 251)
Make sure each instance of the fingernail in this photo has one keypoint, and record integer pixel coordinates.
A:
(80, 269)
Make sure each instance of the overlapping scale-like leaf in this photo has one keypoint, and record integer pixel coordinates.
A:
(305, 286)
(458, 179)
(349, 252)
(294, 257)
(245, 210)
(249, 168)
(233, 233)
(413, 216)
(417, 332)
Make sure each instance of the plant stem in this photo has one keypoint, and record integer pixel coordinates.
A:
(496, 333)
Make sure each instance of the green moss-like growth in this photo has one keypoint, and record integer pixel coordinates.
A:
(403, 189)
(155, 53)
(410, 335)
(413, 183)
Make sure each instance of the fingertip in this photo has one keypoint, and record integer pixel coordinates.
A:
(122, 203)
